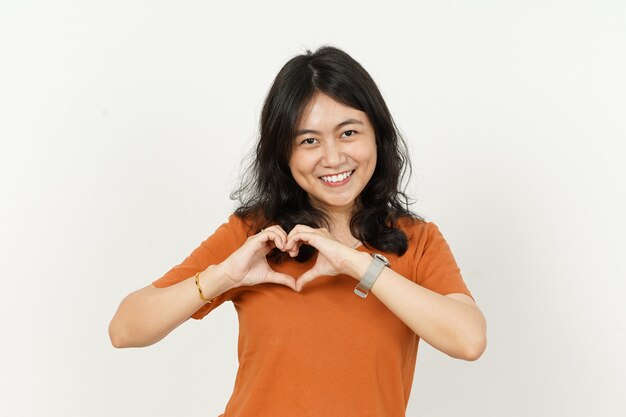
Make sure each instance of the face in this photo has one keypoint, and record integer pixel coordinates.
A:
(334, 153)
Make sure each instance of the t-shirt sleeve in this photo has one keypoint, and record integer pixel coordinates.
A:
(216, 248)
(437, 269)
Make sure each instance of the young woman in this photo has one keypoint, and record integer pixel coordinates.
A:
(334, 280)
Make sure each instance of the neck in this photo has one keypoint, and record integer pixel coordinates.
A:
(339, 218)
(340, 225)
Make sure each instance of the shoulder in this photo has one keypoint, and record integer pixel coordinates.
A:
(414, 226)
(230, 234)
(419, 232)
(238, 226)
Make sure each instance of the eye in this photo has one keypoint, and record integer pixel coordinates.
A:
(308, 141)
(348, 133)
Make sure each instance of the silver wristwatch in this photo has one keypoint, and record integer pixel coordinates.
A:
(373, 271)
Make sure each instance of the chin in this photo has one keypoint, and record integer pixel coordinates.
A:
(337, 205)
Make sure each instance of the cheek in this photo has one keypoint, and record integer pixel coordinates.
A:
(300, 165)
(367, 155)
(302, 180)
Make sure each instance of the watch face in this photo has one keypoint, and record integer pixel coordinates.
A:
(382, 258)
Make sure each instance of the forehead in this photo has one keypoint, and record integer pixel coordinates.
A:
(324, 113)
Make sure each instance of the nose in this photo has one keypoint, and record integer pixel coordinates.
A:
(333, 155)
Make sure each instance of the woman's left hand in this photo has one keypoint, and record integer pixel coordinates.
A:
(334, 258)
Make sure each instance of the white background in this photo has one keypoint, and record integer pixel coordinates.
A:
(123, 124)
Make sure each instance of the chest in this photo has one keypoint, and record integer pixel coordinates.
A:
(326, 318)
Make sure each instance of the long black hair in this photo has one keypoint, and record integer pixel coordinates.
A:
(268, 193)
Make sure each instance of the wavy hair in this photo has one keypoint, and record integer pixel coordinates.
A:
(268, 193)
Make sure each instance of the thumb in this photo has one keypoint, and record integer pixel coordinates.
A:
(305, 278)
(280, 278)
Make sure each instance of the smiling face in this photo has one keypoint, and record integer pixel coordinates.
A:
(334, 153)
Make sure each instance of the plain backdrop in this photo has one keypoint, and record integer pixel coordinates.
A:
(123, 125)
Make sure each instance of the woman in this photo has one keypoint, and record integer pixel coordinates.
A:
(322, 223)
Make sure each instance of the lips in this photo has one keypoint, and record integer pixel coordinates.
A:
(337, 178)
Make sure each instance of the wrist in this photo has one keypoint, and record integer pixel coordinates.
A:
(214, 280)
(357, 264)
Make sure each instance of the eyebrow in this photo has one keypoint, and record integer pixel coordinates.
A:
(340, 125)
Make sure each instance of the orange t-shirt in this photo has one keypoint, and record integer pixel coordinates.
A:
(324, 351)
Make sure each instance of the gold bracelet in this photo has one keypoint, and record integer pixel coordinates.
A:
(202, 297)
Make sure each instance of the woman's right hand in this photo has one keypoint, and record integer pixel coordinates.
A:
(146, 316)
(248, 265)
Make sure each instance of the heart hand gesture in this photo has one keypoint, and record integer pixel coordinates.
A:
(334, 258)
(248, 265)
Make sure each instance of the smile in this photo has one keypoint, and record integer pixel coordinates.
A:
(337, 178)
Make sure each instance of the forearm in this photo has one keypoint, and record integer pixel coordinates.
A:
(449, 325)
(148, 315)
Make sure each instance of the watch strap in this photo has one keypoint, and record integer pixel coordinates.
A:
(371, 274)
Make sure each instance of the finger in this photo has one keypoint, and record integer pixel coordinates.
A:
(300, 228)
(272, 235)
(305, 278)
(302, 238)
(295, 242)
(298, 238)
(292, 246)
(279, 230)
(280, 278)
(322, 231)
(277, 227)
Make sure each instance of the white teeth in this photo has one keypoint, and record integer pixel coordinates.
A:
(337, 178)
